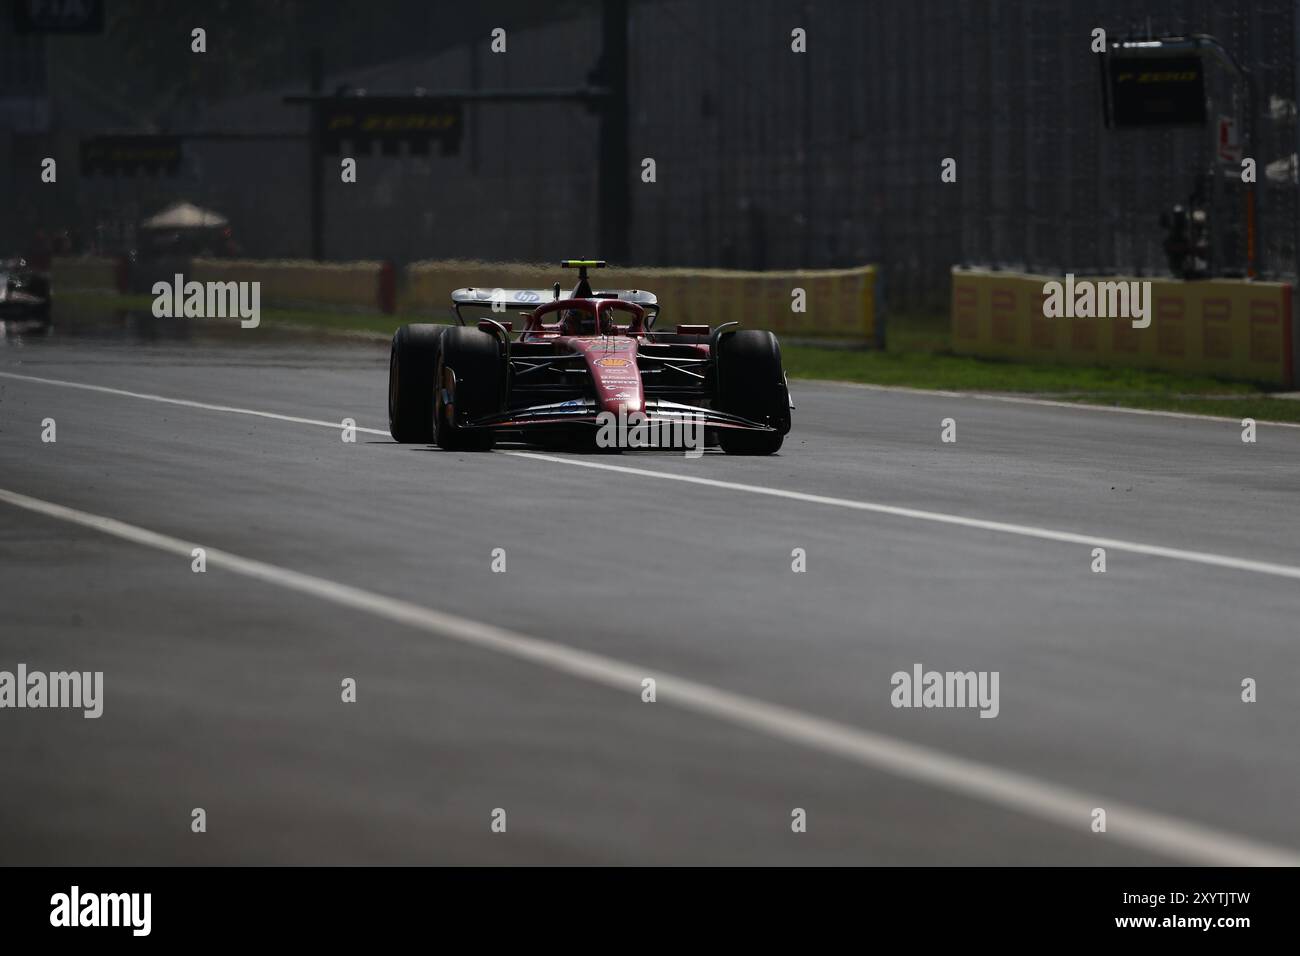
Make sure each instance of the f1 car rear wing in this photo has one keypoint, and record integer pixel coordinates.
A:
(505, 300)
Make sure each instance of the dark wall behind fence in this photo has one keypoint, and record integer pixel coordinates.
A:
(771, 159)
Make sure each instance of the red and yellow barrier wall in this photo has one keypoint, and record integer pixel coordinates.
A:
(1228, 328)
(88, 273)
(366, 286)
(838, 303)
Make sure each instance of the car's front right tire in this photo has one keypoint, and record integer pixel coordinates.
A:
(412, 365)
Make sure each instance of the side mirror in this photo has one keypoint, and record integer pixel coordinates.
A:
(490, 325)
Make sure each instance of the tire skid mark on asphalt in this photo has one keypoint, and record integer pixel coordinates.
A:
(1133, 826)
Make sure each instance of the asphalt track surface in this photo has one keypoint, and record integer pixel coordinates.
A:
(522, 691)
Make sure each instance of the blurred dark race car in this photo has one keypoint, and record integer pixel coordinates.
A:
(576, 362)
(24, 292)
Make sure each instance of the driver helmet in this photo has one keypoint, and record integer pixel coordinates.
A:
(580, 322)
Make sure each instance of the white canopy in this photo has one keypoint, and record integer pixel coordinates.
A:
(184, 215)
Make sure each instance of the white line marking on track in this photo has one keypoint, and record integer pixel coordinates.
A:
(187, 403)
(981, 396)
(1047, 402)
(1027, 531)
(1142, 829)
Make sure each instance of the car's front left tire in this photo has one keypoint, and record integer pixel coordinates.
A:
(751, 384)
(468, 386)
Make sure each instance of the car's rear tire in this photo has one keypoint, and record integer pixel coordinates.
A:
(469, 372)
(412, 365)
(751, 384)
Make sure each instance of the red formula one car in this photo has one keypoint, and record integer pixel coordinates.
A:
(578, 363)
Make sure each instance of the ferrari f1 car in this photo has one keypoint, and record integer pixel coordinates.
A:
(24, 292)
(576, 360)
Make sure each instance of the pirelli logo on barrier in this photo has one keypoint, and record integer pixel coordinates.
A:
(1171, 335)
(1216, 328)
(1268, 339)
(1003, 304)
(1228, 328)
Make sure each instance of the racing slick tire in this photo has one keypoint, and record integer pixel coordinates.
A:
(412, 365)
(468, 386)
(751, 383)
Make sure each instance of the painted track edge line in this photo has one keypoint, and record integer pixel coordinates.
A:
(1044, 402)
(940, 517)
(1133, 826)
(1047, 534)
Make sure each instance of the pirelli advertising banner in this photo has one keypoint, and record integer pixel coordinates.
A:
(361, 121)
(1228, 328)
(128, 154)
(1155, 90)
(58, 16)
